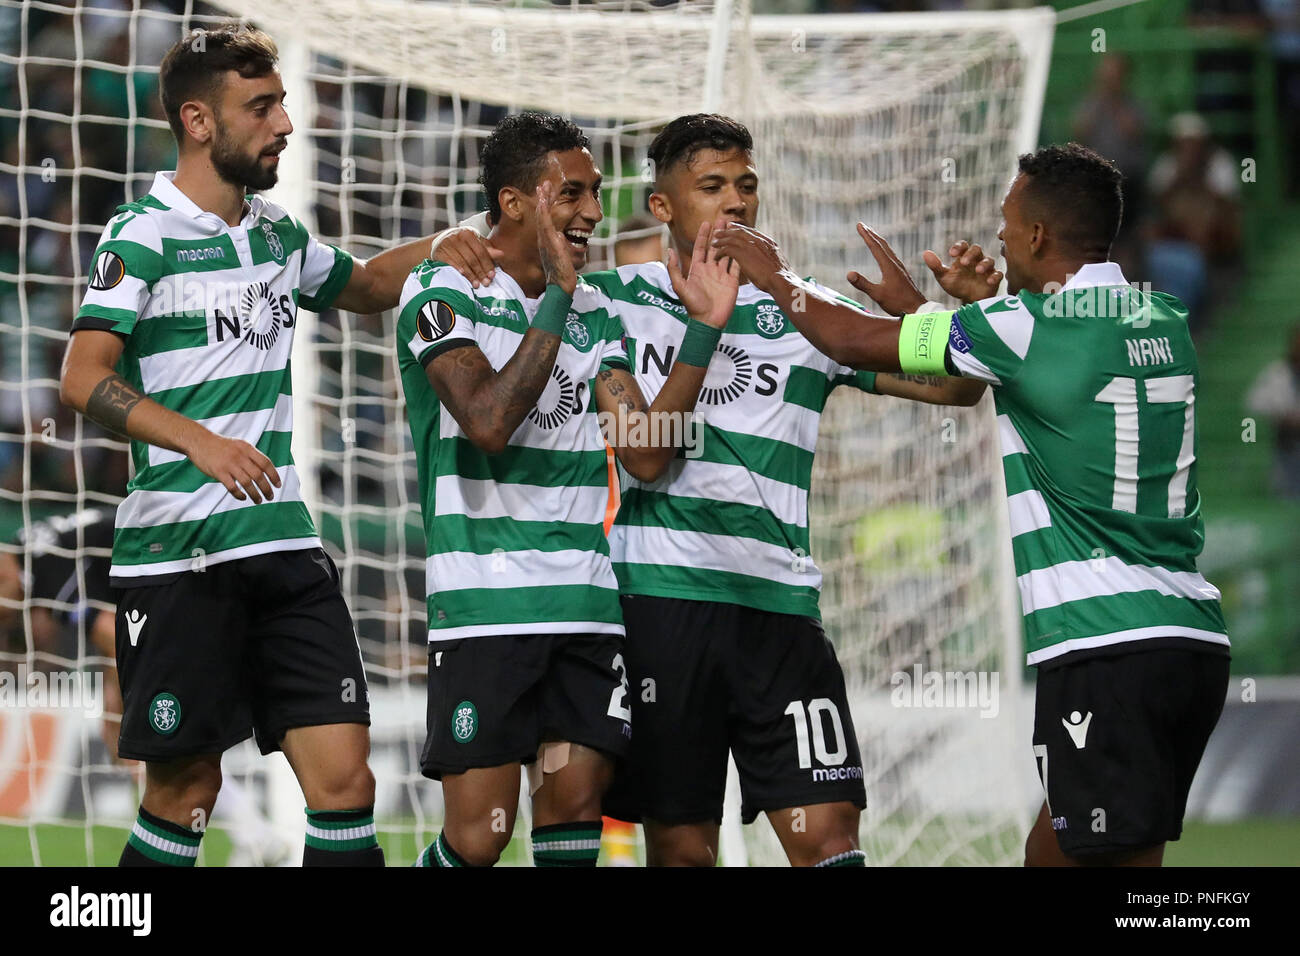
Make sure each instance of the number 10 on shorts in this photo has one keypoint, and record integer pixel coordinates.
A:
(815, 713)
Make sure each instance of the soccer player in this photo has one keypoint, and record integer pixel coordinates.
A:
(1095, 386)
(504, 383)
(725, 648)
(229, 614)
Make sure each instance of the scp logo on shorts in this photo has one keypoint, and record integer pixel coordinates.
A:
(165, 713)
(464, 722)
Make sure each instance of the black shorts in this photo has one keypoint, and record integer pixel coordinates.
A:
(1118, 739)
(710, 677)
(495, 699)
(256, 645)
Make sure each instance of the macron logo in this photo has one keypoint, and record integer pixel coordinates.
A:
(135, 622)
(1077, 727)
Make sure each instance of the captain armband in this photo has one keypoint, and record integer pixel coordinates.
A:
(923, 342)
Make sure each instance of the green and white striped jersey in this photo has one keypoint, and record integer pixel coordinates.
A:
(515, 541)
(730, 525)
(1095, 389)
(207, 312)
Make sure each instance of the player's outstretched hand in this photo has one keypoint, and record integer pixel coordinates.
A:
(557, 257)
(896, 293)
(468, 253)
(760, 258)
(709, 291)
(970, 276)
(237, 465)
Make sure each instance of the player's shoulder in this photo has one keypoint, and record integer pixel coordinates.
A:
(632, 282)
(1011, 318)
(141, 222)
(429, 283)
(433, 276)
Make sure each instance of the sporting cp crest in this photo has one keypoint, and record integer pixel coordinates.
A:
(273, 242)
(464, 722)
(165, 713)
(578, 333)
(770, 321)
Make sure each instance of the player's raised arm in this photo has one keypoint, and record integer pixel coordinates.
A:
(709, 294)
(850, 336)
(490, 405)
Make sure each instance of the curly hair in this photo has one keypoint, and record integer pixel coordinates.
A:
(195, 66)
(515, 153)
(1078, 192)
(684, 137)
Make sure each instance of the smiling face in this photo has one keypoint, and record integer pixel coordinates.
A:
(575, 206)
(250, 130)
(713, 184)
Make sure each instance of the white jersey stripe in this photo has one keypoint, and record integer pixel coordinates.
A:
(1028, 512)
(714, 481)
(457, 570)
(1120, 637)
(247, 426)
(712, 552)
(1102, 577)
(485, 498)
(148, 509)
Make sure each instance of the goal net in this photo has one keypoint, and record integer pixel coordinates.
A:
(909, 122)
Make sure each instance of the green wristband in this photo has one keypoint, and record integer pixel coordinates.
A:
(698, 343)
(923, 342)
(553, 311)
(867, 382)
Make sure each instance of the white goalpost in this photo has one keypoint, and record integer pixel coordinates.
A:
(908, 122)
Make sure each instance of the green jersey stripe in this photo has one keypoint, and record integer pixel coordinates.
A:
(490, 536)
(705, 515)
(150, 549)
(238, 393)
(522, 465)
(1165, 616)
(696, 584)
(768, 457)
(184, 475)
(539, 609)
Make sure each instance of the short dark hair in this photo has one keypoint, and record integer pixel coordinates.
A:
(1079, 192)
(195, 67)
(680, 140)
(515, 153)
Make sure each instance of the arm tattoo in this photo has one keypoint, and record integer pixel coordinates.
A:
(481, 399)
(111, 402)
(617, 390)
(915, 379)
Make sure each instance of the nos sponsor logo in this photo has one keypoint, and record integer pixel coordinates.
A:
(731, 372)
(256, 318)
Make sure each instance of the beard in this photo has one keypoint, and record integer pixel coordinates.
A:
(239, 168)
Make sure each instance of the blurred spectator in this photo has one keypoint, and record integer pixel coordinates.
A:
(641, 239)
(1276, 396)
(1196, 224)
(1111, 121)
